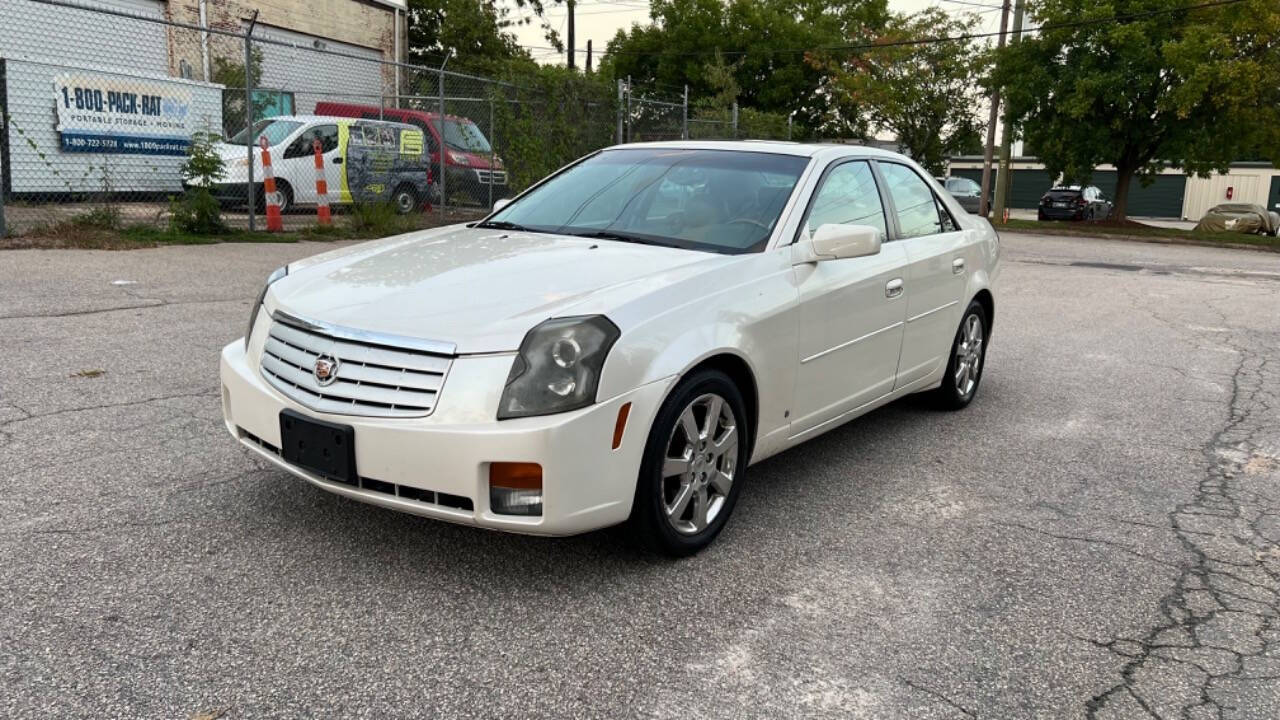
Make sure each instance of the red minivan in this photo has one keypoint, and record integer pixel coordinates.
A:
(469, 162)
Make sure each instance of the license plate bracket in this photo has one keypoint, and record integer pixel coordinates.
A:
(324, 448)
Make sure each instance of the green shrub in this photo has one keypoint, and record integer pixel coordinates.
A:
(105, 217)
(378, 219)
(196, 211)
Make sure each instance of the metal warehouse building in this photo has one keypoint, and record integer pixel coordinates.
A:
(40, 43)
(154, 55)
(1172, 194)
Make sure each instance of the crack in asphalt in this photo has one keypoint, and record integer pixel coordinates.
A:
(1152, 268)
(937, 695)
(1220, 616)
(127, 403)
(159, 302)
(1091, 541)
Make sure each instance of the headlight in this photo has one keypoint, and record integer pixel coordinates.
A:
(558, 367)
(458, 159)
(253, 312)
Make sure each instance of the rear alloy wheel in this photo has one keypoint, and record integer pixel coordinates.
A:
(405, 199)
(692, 468)
(964, 368)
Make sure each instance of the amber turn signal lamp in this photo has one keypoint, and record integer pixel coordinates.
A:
(515, 488)
(621, 425)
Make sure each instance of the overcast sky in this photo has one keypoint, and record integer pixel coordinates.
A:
(598, 20)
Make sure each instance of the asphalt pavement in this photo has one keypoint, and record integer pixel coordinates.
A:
(1098, 535)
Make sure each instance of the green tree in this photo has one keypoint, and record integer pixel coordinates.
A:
(1194, 88)
(230, 71)
(477, 32)
(925, 94)
(762, 42)
(547, 116)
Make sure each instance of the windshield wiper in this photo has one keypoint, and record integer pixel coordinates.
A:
(506, 225)
(623, 237)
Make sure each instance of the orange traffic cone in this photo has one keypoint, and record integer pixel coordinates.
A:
(274, 222)
(322, 187)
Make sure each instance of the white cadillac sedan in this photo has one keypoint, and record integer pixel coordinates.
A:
(621, 341)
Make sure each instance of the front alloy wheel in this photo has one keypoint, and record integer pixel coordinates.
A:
(691, 472)
(702, 455)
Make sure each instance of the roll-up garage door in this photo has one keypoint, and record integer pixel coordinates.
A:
(1162, 198)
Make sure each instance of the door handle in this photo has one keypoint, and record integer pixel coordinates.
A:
(336, 161)
(893, 288)
(957, 266)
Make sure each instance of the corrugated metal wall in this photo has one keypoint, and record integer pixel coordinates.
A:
(38, 165)
(39, 41)
(35, 31)
(315, 76)
(1163, 198)
(1247, 186)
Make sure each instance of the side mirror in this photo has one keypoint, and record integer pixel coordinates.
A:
(500, 203)
(836, 242)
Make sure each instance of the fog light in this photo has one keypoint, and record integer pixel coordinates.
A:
(515, 488)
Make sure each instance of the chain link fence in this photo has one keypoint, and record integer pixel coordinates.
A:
(112, 114)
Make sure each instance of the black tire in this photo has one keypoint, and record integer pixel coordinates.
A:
(951, 396)
(286, 197)
(1040, 215)
(405, 198)
(649, 525)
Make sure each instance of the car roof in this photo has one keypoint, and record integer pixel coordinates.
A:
(776, 147)
(335, 118)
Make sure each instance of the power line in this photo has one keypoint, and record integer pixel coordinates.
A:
(928, 41)
(974, 4)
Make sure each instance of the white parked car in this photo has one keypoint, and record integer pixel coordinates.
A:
(621, 341)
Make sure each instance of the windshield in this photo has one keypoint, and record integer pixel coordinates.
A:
(718, 200)
(275, 130)
(463, 136)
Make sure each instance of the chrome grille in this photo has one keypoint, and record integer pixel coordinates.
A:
(497, 177)
(373, 378)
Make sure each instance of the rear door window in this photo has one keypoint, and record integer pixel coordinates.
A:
(914, 203)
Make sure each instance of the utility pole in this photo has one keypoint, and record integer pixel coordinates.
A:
(249, 139)
(619, 135)
(569, 4)
(1004, 178)
(983, 209)
(684, 115)
(588, 55)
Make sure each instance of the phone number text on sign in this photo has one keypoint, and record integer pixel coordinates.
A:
(73, 142)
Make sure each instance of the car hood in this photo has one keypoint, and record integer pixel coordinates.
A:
(479, 289)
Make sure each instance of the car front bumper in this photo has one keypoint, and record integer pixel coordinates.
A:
(586, 483)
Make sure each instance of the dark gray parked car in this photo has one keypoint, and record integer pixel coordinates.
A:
(1072, 202)
(967, 192)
